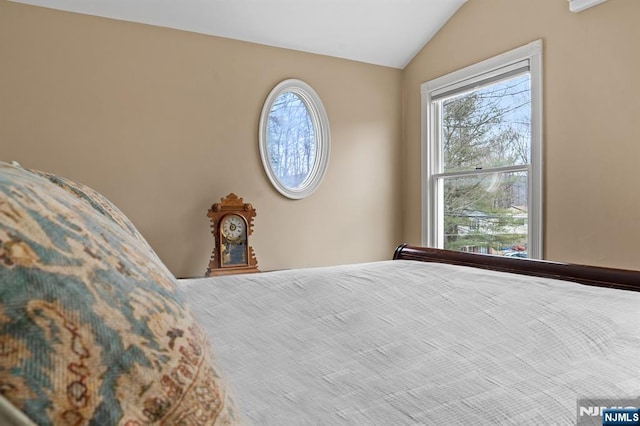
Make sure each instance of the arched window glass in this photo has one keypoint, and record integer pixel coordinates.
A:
(294, 138)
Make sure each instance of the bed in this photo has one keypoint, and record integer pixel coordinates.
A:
(431, 337)
(95, 330)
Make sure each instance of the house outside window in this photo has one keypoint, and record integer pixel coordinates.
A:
(482, 156)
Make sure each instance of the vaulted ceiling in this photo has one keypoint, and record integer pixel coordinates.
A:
(381, 32)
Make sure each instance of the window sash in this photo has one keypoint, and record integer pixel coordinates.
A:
(438, 105)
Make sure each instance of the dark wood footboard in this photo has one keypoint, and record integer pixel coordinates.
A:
(591, 275)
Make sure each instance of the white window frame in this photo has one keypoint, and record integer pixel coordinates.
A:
(320, 121)
(430, 154)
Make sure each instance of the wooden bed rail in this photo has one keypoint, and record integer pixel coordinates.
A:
(591, 275)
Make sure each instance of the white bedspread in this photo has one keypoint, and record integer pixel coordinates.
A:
(408, 343)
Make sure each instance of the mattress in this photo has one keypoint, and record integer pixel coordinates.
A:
(407, 343)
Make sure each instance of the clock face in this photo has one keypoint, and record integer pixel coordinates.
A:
(233, 227)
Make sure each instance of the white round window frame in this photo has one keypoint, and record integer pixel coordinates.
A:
(320, 121)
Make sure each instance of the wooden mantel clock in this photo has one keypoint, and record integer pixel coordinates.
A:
(232, 224)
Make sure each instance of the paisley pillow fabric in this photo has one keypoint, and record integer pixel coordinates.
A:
(92, 330)
(96, 200)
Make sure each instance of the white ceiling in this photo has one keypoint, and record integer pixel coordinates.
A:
(381, 32)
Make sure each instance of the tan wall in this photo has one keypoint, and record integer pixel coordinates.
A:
(165, 122)
(591, 117)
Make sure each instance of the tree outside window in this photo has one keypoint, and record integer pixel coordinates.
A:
(483, 130)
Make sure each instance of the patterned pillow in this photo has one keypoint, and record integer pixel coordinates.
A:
(91, 328)
(96, 200)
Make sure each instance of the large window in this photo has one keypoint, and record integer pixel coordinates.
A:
(482, 156)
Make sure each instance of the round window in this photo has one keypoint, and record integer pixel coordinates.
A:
(294, 138)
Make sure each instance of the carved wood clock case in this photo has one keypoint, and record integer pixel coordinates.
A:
(232, 224)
